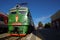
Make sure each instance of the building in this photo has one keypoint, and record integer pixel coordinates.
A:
(55, 20)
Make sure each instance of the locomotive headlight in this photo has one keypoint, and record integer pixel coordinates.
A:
(25, 18)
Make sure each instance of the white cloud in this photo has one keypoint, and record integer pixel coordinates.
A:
(42, 19)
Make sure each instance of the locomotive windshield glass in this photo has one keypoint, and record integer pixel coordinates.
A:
(22, 12)
(13, 12)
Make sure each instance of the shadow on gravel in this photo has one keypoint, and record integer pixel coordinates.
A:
(47, 34)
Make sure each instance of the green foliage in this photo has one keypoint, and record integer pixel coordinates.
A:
(40, 24)
(47, 25)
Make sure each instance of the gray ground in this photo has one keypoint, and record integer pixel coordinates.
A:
(40, 34)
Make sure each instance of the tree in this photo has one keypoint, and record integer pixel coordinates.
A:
(47, 25)
(40, 24)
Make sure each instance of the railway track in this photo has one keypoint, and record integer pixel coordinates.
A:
(10, 38)
(6, 36)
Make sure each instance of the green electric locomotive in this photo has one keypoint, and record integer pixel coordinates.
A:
(20, 22)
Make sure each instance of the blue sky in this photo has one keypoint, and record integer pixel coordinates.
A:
(41, 10)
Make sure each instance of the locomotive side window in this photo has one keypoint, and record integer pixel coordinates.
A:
(22, 12)
(13, 12)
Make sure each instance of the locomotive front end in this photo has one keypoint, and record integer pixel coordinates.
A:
(18, 21)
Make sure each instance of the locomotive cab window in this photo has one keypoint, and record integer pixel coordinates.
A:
(13, 12)
(22, 12)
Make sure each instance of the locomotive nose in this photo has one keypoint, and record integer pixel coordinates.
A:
(16, 18)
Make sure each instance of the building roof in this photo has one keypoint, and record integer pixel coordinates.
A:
(56, 15)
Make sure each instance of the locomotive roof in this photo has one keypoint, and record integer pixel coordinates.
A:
(21, 9)
(18, 6)
(3, 14)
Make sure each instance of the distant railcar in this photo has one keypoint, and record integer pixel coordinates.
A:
(3, 23)
(20, 22)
